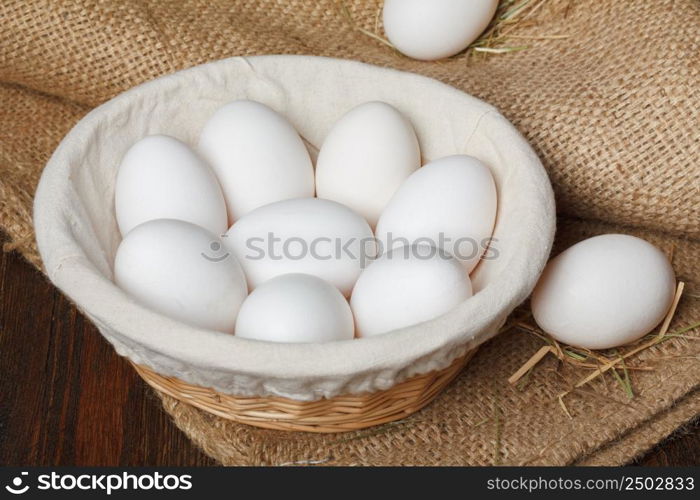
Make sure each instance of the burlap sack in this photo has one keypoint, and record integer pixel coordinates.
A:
(613, 110)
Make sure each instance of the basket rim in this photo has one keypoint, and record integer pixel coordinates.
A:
(169, 342)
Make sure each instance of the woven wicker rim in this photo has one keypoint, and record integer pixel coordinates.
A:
(337, 414)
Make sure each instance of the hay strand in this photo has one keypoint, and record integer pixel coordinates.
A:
(529, 364)
(563, 406)
(672, 310)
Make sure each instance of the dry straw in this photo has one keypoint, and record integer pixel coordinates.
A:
(614, 361)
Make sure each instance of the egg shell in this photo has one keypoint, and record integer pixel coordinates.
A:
(365, 157)
(306, 235)
(182, 271)
(295, 308)
(434, 29)
(162, 178)
(448, 203)
(257, 155)
(407, 286)
(604, 292)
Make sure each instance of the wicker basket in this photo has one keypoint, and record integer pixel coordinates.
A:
(273, 385)
(338, 414)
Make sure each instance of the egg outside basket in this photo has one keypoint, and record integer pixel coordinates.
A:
(315, 387)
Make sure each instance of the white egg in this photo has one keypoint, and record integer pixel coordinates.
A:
(434, 29)
(295, 308)
(257, 155)
(365, 157)
(449, 203)
(182, 271)
(604, 292)
(407, 286)
(162, 178)
(306, 235)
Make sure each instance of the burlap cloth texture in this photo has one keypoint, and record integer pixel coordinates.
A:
(613, 110)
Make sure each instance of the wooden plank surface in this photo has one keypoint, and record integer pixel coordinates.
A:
(66, 398)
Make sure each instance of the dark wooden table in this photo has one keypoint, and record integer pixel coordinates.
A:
(66, 398)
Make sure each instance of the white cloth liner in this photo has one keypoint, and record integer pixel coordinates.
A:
(78, 236)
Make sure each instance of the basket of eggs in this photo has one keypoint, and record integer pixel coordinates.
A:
(295, 242)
